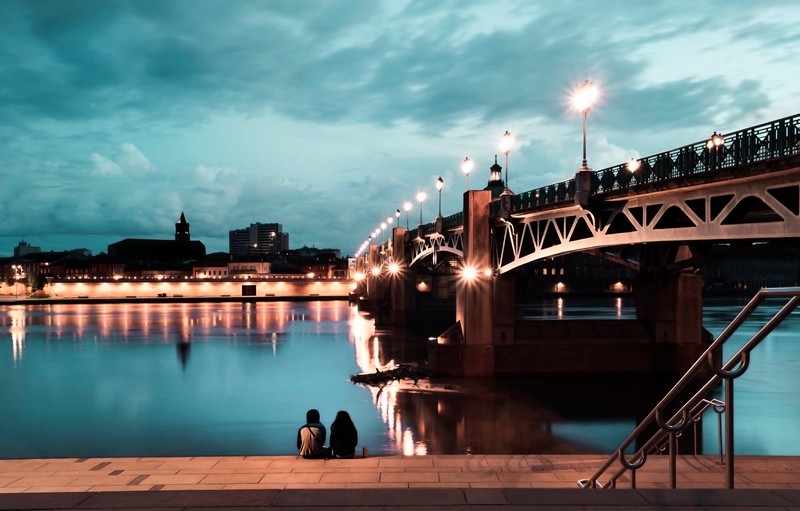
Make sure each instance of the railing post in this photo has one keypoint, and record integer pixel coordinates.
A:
(673, 460)
(729, 433)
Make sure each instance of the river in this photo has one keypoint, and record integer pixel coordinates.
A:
(79, 380)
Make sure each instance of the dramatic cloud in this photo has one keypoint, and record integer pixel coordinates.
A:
(117, 115)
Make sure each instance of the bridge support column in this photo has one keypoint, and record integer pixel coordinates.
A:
(401, 283)
(467, 349)
(373, 283)
(672, 305)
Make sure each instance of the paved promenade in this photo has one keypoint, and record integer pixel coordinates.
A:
(388, 482)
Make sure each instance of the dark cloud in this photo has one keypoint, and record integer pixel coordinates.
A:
(89, 88)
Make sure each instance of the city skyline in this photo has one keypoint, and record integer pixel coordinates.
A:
(327, 116)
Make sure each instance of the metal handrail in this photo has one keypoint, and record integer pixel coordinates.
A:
(671, 428)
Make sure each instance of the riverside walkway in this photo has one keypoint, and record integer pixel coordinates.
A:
(474, 482)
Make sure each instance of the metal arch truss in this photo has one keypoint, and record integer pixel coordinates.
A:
(760, 208)
(451, 241)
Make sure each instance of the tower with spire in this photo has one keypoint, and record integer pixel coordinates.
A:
(182, 229)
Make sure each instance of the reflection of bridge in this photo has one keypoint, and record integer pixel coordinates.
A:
(659, 213)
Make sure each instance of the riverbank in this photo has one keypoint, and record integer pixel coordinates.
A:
(381, 472)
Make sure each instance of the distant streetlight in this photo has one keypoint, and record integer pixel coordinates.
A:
(583, 100)
(505, 146)
(407, 207)
(439, 186)
(633, 165)
(397, 215)
(420, 198)
(466, 168)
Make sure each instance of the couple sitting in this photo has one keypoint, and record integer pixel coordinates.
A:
(311, 437)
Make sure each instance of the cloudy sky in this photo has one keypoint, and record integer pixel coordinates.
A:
(326, 115)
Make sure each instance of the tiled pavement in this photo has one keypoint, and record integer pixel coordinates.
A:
(434, 482)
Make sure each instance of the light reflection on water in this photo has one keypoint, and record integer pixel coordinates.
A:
(231, 378)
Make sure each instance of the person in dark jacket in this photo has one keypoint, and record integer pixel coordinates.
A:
(344, 436)
(311, 437)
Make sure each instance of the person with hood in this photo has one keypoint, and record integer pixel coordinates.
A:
(311, 437)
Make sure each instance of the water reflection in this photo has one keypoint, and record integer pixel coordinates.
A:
(17, 331)
(370, 358)
(106, 376)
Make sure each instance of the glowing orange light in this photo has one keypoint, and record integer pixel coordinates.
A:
(469, 273)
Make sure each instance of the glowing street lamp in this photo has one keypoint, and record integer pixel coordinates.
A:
(397, 216)
(439, 186)
(715, 141)
(466, 168)
(505, 146)
(583, 100)
(633, 165)
(407, 207)
(420, 198)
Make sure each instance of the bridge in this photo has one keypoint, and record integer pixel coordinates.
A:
(658, 214)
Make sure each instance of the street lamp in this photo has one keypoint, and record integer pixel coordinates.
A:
(466, 168)
(407, 207)
(715, 141)
(420, 198)
(397, 216)
(583, 100)
(439, 186)
(505, 146)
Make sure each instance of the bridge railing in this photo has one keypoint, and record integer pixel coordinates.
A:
(685, 413)
(750, 145)
(449, 222)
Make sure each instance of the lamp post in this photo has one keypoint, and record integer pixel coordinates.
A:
(407, 207)
(505, 146)
(715, 141)
(583, 100)
(420, 198)
(397, 216)
(466, 168)
(439, 186)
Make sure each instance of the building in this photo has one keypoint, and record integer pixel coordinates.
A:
(181, 249)
(24, 248)
(258, 239)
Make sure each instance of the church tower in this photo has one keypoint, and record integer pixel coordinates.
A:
(182, 229)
